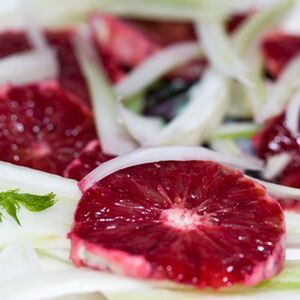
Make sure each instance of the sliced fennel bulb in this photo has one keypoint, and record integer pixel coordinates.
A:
(28, 67)
(217, 47)
(233, 130)
(246, 42)
(205, 110)
(48, 285)
(276, 164)
(113, 136)
(47, 228)
(142, 129)
(250, 31)
(67, 12)
(292, 116)
(157, 154)
(155, 66)
(17, 261)
(282, 90)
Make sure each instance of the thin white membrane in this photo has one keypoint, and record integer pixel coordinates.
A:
(114, 138)
(157, 154)
(28, 67)
(292, 116)
(155, 66)
(281, 91)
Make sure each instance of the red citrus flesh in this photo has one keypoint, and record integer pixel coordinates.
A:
(195, 222)
(89, 159)
(278, 49)
(70, 76)
(120, 45)
(275, 138)
(43, 126)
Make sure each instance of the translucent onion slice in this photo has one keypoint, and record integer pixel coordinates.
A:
(49, 285)
(28, 67)
(157, 65)
(282, 90)
(276, 164)
(205, 110)
(141, 128)
(218, 48)
(156, 154)
(233, 130)
(113, 136)
(292, 116)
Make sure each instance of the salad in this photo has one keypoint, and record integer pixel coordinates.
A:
(149, 149)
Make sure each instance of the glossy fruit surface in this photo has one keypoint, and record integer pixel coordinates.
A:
(194, 222)
(42, 126)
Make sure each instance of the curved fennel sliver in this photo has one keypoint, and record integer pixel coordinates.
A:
(113, 136)
(29, 180)
(52, 284)
(156, 66)
(157, 154)
(28, 67)
(280, 191)
(283, 88)
(217, 46)
(141, 128)
(207, 105)
(292, 115)
(47, 229)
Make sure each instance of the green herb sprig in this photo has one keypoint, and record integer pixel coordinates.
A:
(11, 202)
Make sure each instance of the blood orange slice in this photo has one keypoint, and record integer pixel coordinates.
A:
(42, 126)
(278, 49)
(192, 222)
(89, 158)
(275, 138)
(70, 76)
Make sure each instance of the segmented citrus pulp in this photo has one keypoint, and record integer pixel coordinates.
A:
(70, 76)
(279, 49)
(42, 126)
(89, 159)
(196, 222)
(274, 138)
